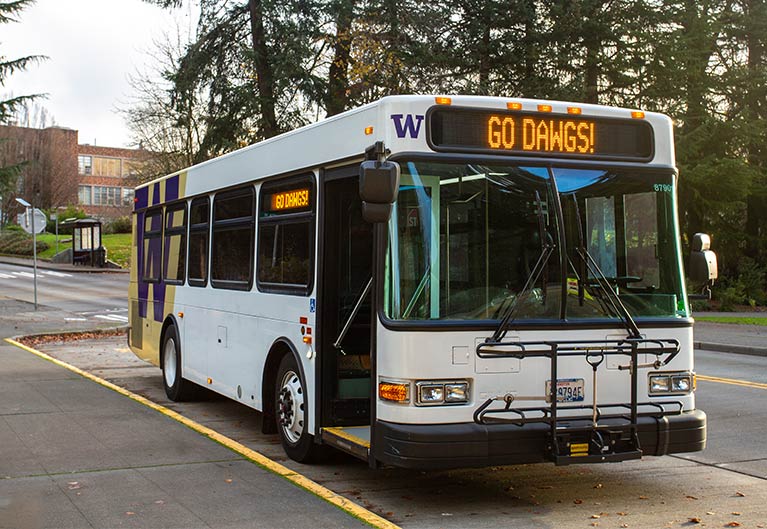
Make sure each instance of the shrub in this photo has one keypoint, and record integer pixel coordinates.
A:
(69, 213)
(751, 278)
(19, 243)
(119, 225)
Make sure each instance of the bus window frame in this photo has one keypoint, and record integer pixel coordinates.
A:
(199, 228)
(148, 236)
(172, 207)
(309, 216)
(227, 224)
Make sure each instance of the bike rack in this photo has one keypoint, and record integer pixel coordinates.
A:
(610, 433)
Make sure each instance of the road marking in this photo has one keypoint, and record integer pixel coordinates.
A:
(111, 317)
(733, 381)
(23, 274)
(75, 319)
(5, 276)
(57, 274)
(300, 480)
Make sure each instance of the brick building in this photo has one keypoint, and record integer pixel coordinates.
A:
(60, 172)
(105, 179)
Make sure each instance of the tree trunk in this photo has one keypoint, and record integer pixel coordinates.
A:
(338, 76)
(264, 74)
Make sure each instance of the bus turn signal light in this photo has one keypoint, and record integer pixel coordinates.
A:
(393, 391)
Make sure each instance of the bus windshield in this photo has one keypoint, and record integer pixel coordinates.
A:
(465, 239)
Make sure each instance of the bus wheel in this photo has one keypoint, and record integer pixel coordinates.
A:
(292, 411)
(176, 387)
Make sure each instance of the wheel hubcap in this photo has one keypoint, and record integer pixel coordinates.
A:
(169, 362)
(290, 407)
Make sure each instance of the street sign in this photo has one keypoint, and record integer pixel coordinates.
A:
(25, 220)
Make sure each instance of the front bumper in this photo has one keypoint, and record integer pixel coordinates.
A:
(435, 446)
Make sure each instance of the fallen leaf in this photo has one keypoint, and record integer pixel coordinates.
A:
(694, 520)
(447, 514)
(622, 513)
(594, 524)
(643, 497)
(740, 494)
(624, 525)
(598, 486)
(130, 513)
(159, 502)
(734, 513)
(733, 524)
(228, 480)
(577, 502)
(595, 516)
(710, 513)
(691, 497)
(544, 487)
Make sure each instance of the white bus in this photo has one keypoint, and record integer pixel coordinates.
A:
(432, 282)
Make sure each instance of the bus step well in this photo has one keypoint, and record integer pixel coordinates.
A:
(354, 440)
(590, 433)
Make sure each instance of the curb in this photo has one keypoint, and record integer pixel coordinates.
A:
(299, 480)
(47, 265)
(731, 348)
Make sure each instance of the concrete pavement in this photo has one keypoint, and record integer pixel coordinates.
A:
(729, 337)
(76, 454)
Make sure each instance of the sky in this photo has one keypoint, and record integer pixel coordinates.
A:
(93, 46)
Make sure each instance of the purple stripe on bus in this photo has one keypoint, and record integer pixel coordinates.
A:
(171, 188)
(142, 198)
(155, 253)
(143, 286)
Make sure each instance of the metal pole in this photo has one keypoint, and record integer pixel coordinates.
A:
(57, 231)
(34, 252)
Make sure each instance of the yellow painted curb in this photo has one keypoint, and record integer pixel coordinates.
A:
(733, 381)
(298, 479)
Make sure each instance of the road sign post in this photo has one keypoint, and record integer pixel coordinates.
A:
(34, 241)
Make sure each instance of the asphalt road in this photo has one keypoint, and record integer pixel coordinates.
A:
(88, 296)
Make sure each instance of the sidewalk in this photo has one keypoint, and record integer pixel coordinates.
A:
(61, 267)
(731, 337)
(76, 454)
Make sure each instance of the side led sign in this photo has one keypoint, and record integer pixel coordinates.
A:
(292, 199)
(539, 134)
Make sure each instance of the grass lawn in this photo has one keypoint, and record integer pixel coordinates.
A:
(117, 245)
(733, 319)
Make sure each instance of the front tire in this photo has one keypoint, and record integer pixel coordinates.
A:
(292, 410)
(176, 388)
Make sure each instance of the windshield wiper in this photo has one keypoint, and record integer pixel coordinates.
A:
(540, 265)
(615, 302)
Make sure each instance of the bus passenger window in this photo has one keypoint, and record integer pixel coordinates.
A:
(286, 236)
(175, 244)
(199, 219)
(232, 246)
(152, 246)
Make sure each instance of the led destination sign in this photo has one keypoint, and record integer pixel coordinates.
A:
(471, 130)
(290, 200)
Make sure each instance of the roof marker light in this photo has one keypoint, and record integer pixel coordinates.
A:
(443, 100)
(368, 131)
(514, 105)
(638, 114)
(574, 110)
(544, 108)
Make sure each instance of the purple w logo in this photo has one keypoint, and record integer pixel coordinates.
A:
(411, 127)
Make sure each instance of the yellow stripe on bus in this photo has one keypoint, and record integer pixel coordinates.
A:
(733, 381)
(294, 477)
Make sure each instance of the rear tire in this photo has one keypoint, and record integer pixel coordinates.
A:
(176, 388)
(292, 412)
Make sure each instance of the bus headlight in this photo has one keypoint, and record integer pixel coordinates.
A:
(670, 383)
(434, 392)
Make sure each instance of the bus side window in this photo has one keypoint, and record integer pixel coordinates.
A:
(232, 239)
(175, 244)
(199, 233)
(152, 246)
(286, 236)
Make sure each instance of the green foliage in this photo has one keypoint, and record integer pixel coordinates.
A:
(19, 243)
(260, 67)
(71, 212)
(118, 225)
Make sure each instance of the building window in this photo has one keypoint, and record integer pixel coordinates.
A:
(199, 223)
(127, 196)
(84, 195)
(106, 167)
(85, 164)
(107, 196)
(232, 243)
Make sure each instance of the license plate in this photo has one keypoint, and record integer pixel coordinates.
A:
(568, 390)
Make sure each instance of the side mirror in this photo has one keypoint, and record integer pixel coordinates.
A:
(379, 184)
(703, 265)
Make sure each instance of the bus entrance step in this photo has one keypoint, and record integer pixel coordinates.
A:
(596, 458)
(354, 440)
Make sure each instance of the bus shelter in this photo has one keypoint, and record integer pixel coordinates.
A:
(86, 242)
